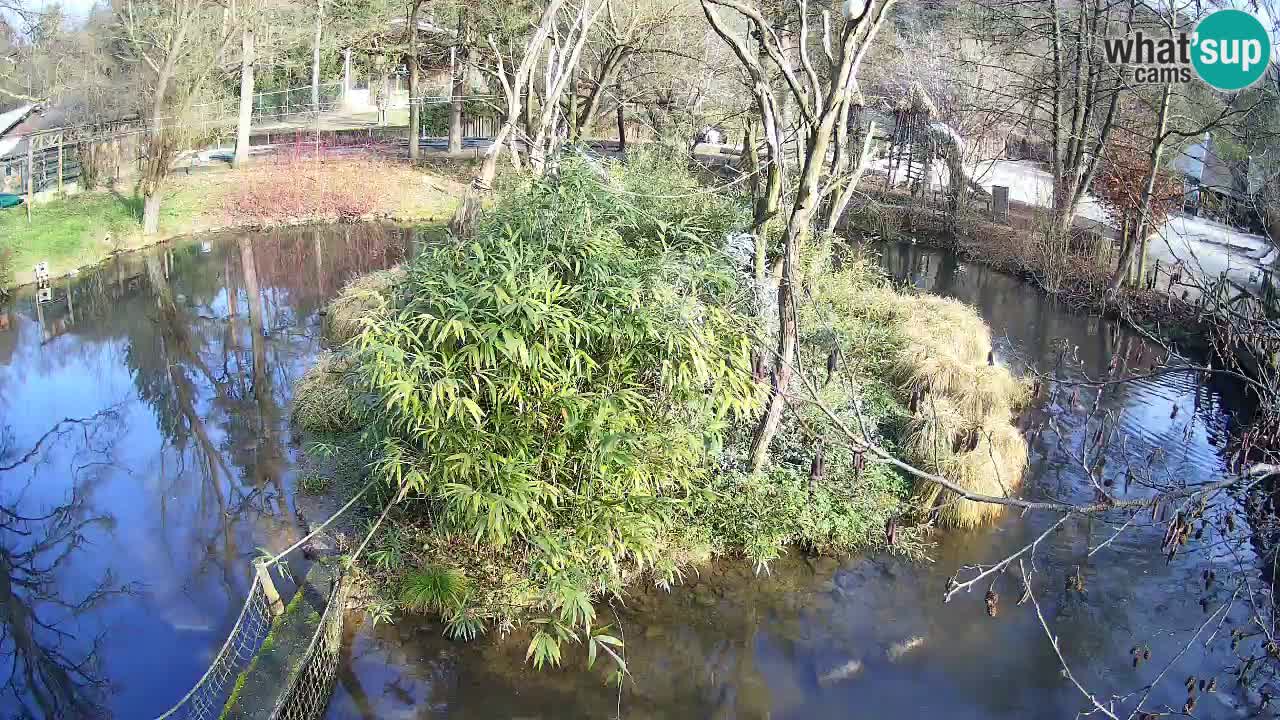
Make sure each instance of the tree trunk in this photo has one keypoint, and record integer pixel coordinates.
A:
(459, 90)
(573, 118)
(622, 125)
(609, 70)
(561, 78)
(767, 206)
(841, 201)
(247, 56)
(151, 212)
(415, 105)
(464, 218)
(1148, 191)
(156, 167)
(750, 163)
(315, 57)
(806, 205)
(526, 114)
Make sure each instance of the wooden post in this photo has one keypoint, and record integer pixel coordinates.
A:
(59, 163)
(622, 126)
(269, 589)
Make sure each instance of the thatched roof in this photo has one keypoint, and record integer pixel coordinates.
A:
(918, 100)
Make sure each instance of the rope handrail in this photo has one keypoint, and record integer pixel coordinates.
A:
(273, 560)
(215, 677)
(254, 591)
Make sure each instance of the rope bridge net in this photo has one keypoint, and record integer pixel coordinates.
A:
(312, 683)
(210, 694)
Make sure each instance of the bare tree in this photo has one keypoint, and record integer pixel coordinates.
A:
(1057, 78)
(461, 52)
(415, 102)
(175, 42)
(51, 672)
(822, 97)
(559, 69)
(245, 118)
(316, 39)
(513, 90)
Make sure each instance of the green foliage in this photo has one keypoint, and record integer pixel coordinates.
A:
(665, 203)
(546, 384)
(313, 483)
(767, 513)
(563, 392)
(558, 388)
(434, 588)
(382, 612)
(435, 116)
(81, 229)
(389, 556)
(465, 624)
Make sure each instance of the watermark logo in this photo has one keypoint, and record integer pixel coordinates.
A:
(1229, 50)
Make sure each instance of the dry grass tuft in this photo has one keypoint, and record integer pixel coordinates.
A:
(933, 434)
(360, 297)
(993, 467)
(962, 407)
(322, 400)
(944, 325)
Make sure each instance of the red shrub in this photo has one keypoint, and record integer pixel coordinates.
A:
(1121, 180)
(312, 181)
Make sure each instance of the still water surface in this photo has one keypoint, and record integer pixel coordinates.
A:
(868, 636)
(126, 537)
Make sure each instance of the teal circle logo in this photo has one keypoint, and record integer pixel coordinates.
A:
(1231, 49)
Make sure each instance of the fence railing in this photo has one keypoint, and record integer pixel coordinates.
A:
(207, 698)
(312, 682)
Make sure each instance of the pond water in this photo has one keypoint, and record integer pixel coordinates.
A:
(145, 457)
(869, 636)
(144, 437)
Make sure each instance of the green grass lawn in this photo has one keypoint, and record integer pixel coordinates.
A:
(82, 229)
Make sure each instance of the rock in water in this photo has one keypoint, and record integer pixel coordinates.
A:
(899, 649)
(840, 673)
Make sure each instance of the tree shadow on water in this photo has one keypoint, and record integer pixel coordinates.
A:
(51, 673)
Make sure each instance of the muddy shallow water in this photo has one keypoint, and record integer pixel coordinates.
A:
(869, 636)
(154, 390)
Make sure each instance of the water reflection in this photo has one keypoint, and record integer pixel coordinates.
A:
(192, 348)
(869, 636)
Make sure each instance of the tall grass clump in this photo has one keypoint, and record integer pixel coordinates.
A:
(555, 395)
(945, 407)
(360, 298)
(323, 400)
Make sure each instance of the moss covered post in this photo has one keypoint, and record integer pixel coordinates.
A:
(269, 588)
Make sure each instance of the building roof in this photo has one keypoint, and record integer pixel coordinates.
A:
(10, 121)
(13, 140)
(1201, 162)
(1220, 177)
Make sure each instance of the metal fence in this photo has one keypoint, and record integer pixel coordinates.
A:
(311, 685)
(206, 700)
(47, 166)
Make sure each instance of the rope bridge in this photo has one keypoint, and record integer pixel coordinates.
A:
(309, 688)
(212, 691)
(216, 695)
(309, 682)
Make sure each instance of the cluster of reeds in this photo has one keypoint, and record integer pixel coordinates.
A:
(941, 367)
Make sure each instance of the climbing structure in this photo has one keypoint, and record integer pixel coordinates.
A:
(917, 140)
(911, 150)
